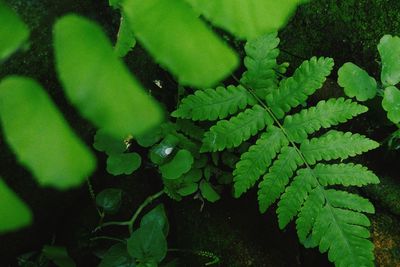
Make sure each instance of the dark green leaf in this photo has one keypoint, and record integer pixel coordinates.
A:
(97, 82)
(157, 215)
(14, 213)
(148, 243)
(162, 151)
(180, 164)
(40, 136)
(59, 256)
(107, 143)
(13, 32)
(179, 41)
(126, 163)
(208, 191)
(109, 199)
(188, 189)
(117, 256)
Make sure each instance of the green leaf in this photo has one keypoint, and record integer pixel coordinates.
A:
(109, 199)
(161, 152)
(247, 19)
(107, 143)
(188, 189)
(59, 256)
(117, 256)
(356, 82)
(125, 163)
(114, 3)
(13, 32)
(208, 192)
(389, 50)
(182, 43)
(148, 243)
(14, 213)
(157, 215)
(125, 39)
(40, 136)
(180, 164)
(97, 82)
(391, 103)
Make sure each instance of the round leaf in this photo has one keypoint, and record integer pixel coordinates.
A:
(107, 143)
(148, 243)
(125, 163)
(188, 189)
(109, 199)
(391, 103)
(389, 50)
(356, 82)
(208, 191)
(180, 164)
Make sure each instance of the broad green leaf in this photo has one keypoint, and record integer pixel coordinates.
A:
(356, 82)
(117, 255)
(188, 189)
(98, 83)
(391, 103)
(109, 199)
(180, 41)
(389, 50)
(14, 213)
(125, 39)
(125, 163)
(59, 256)
(157, 215)
(148, 243)
(208, 191)
(40, 137)
(162, 151)
(13, 31)
(180, 164)
(107, 143)
(247, 19)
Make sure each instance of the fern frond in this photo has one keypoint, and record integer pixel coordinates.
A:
(324, 115)
(260, 61)
(344, 174)
(335, 145)
(346, 200)
(231, 133)
(190, 129)
(295, 90)
(256, 160)
(295, 195)
(275, 181)
(344, 234)
(213, 104)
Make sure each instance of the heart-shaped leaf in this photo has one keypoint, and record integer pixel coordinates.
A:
(391, 103)
(125, 163)
(356, 82)
(157, 215)
(117, 255)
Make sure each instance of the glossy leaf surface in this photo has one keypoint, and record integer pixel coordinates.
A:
(40, 137)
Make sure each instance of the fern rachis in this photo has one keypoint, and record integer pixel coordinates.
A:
(284, 147)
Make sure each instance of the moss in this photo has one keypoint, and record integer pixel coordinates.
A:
(386, 194)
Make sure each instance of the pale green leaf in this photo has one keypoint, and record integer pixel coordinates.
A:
(356, 82)
(14, 213)
(40, 136)
(391, 103)
(180, 164)
(389, 50)
(98, 83)
(247, 19)
(180, 41)
(124, 163)
(13, 31)
(125, 39)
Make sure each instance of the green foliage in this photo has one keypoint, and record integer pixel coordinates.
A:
(125, 163)
(109, 199)
(125, 39)
(182, 43)
(247, 19)
(13, 32)
(58, 255)
(117, 255)
(34, 130)
(14, 213)
(356, 82)
(180, 164)
(92, 74)
(279, 151)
